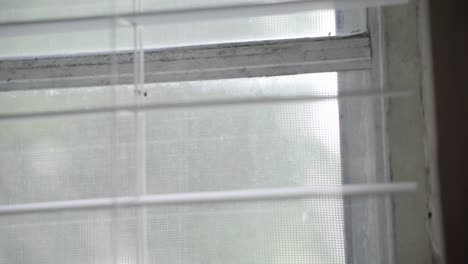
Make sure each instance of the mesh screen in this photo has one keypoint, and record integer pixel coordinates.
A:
(201, 149)
(299, 231)
(303, 231)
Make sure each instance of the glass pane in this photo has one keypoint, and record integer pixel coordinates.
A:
(32, 10)
(202, 149)
(244, 146)
(319, 23)
(193, 149)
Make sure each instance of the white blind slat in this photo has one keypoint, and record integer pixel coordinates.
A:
(217, 196)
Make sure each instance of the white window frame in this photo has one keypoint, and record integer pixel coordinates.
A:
(376, 243)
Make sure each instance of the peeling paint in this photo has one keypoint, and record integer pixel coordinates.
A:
(235, 60)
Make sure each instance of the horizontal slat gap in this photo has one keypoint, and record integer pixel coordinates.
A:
(200, 104)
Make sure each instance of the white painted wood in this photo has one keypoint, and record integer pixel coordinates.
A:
(220, 61)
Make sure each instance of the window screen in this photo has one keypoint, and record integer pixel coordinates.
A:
(205, 149)
(211, 148)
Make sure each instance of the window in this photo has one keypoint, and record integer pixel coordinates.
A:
(258, 104)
